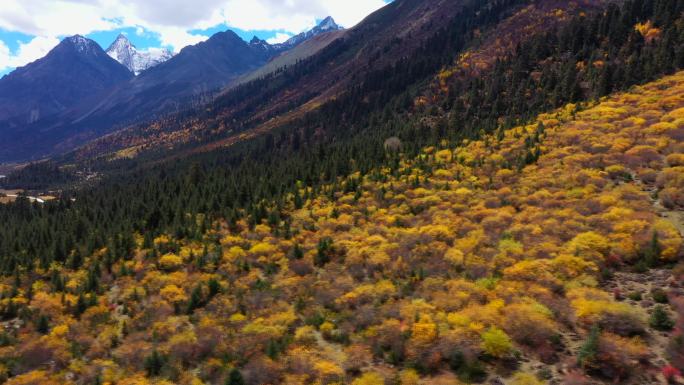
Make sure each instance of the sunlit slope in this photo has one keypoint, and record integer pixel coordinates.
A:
(452, 266)
(288, 58)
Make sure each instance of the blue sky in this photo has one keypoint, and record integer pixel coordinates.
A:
(30, 28)
(144, 39)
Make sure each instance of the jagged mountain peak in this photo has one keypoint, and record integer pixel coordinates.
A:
(326, 25)
(125, 52)
(80, 43)
(227, 35)
(76, 69)
(262, 45)
(256, 40)
(329, 24)
(121, 40)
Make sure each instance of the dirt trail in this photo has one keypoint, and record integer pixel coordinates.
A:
(676, 217)
(332, 351)
(626, 283)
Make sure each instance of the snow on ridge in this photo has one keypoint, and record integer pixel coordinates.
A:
(326, 25)
(137, 61)
(81, 43)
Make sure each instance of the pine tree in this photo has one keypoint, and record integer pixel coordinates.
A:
(272, 349)
(653, 252)
(298, 201)
(214, 287)
(5, 339)
(660, 319)
(235, 378)
(589, 349)
(195, 299)
(81, 305)
(148, 241)
(322, 255)
(297, 252)
(154, 364)
(42, 326)
(605, 86)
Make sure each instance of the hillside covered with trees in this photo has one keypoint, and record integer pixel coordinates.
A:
(503, 209)
(463, 262)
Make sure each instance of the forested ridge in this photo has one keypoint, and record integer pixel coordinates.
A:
(429, 224)
(454, 265)
(345, 135)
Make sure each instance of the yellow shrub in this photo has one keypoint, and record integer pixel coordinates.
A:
(521, 378)
(409, 377)
(424, 331)
(170, 262)
(173, 294)
(661, 128)
(675, 160)
(328, 370)
(590, 245)
(443, 156)
(370, 378)
(262, 248)
(455, 257)
(496, 343)
(36, 377)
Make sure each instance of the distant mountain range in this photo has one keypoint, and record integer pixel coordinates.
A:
(123, 51)
(74, 70)
(79, 92)
(336, 75)
(327, 25)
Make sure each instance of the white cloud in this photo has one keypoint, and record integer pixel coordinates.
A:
(4, 56)
(178, 38)
(35, 49)
(173, 20)
(54, 17)
(27, 52)
(348, 13)
(295, 16)
(259, 15)
(279, 38)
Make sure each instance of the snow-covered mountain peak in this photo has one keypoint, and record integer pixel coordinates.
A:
(328, 24)
(81, 43)
(121, 42)
(123, 51)
(260, 44)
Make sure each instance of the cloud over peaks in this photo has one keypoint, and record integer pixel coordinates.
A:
(172, 20)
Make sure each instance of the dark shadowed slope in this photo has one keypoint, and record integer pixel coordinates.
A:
(390, 36)
(187, 80)
(74, 70)
(195, 70)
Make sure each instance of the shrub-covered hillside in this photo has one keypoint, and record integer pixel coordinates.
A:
(423, 107)
(488, 258)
